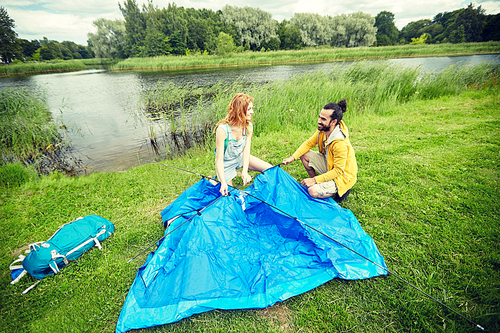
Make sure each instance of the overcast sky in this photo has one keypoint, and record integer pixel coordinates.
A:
(71, 20)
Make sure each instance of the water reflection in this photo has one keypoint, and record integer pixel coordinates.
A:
(110, 131)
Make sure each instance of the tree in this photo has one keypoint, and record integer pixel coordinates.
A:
(29, 48)
(8, 37)
(387, 33)
(135, 27)
(472, 22)
(314, 29)
(253, 26)
(491, 29)
(290, 36)
(420, 40)
(50, 50)
(178, 43)
(109, 40)
(412, 29)
(353, 30)
(457, 35)
(156, 43)
(225, 44)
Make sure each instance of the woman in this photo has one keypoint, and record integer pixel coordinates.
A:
(233, 140)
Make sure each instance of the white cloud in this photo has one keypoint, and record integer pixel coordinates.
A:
(31, 24)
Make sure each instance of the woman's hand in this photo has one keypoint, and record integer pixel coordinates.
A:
(223, 189)
(246, 178)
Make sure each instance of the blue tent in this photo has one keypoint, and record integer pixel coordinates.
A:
(241, 253)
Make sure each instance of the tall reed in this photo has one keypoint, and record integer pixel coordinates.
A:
(26, 126)
(368, 87)
(307, 55)
(43, 67)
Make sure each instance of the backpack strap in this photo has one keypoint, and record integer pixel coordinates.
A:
(14, 267)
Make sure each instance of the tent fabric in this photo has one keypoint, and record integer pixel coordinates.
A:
(241, 253)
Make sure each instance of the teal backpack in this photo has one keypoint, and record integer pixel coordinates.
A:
(68, 243)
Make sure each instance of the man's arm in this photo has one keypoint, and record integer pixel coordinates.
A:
(304, 148)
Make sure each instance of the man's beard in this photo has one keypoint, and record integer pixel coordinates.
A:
(323, 128)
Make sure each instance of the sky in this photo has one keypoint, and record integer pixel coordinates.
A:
(71, 20)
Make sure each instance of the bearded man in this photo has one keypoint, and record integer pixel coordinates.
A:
(332, 170)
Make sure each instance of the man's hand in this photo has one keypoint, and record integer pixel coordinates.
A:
(308, 182)
(288, 160)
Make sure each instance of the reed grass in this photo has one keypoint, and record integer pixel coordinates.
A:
(54, 66)
(369, 87)
(26, 126)
(306, 55)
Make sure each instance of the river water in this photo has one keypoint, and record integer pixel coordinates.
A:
(99, 108)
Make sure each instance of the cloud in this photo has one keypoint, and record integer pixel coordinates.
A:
(34, 24)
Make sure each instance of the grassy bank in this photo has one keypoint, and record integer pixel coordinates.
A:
(428, 194)
(47, 67)
(307, 55)
(27, 129)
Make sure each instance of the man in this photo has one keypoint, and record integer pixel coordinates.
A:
(335, 163)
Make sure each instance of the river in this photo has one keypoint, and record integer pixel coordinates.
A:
(99, 107)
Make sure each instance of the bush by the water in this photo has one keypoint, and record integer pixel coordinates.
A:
(26, 126)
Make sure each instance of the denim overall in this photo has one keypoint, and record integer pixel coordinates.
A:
(233, 153)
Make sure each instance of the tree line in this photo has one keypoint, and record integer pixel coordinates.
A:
(21, 50)
(151, 31)
(466, 25)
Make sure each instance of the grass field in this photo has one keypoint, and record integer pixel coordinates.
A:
(427, 193)
(307, 55)
(47, 67)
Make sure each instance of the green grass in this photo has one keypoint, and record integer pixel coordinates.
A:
(53, 66)
(306, 55)
(428, 194)
(27, 128)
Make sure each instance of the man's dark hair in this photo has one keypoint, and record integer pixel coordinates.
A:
(338, 110)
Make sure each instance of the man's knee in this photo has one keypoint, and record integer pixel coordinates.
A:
(313, 193)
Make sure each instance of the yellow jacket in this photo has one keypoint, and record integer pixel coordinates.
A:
(341, 160)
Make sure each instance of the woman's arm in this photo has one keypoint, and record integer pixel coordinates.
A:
(220, 137)
(246, 156)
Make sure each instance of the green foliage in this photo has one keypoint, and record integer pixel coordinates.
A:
(178, 44)
(420, 40)
(460, 26)
(314, 29)
(491, 29)
(43, 67)
(8, 45)
(135, 27)
(290, 37)
(387, 33)
(26, 126)
(29, 48)
(353, 30)
(308, 55)
(253, 26)
(225, 44)
(109, 39)
(15, 175)
(156, 44)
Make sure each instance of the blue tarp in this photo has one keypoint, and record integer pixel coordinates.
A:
(240, 253)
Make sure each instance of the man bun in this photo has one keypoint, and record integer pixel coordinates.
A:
(343, 105)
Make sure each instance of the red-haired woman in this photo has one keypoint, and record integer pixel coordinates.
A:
(233, 140)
